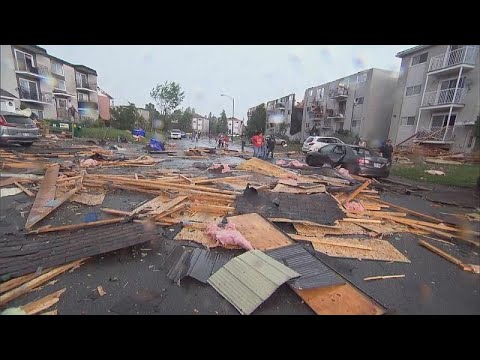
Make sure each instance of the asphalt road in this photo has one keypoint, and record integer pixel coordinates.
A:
(135, 283)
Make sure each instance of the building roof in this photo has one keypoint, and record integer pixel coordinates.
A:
(195, 115)
(33, 48)
(230, 118)
(86, 69)
(104, 92)
(412, 50)
(6, 94)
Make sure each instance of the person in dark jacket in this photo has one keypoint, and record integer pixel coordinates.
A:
(270, 145)
(387, 150)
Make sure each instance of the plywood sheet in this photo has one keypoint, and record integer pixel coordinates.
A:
(200, 236)
(296, 190)
(261, 233)
(89, 199)
(344, 229)
(385, 228)
(381, 250)
(339, 300)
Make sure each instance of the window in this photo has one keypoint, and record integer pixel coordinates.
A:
(326, 149)
(289, 112)
(339, 149)
(24, 61)
(362, 78)
(310, 93)
(307, 125)
(320, 93)
(59, 84)
(81, 80)
(441, 120)
(82, 97)
(38, 113)
(28, 89)
(291, 97)
(419, 59)
(413, 90)
(309, 139)
(57, 68)
(355, 123)
(62, 103)
(359, 100)
(408, 120)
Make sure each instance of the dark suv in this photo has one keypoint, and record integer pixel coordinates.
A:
(19, 129)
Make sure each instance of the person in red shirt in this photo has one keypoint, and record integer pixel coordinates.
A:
(257, 144)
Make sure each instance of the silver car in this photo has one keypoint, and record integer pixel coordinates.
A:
(18, 129)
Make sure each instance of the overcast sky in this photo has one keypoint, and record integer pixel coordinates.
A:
(252, 74)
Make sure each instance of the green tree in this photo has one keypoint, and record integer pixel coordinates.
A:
(185, 121)
(168, 96)
(125, 117)
(257, 121)
(222, 124)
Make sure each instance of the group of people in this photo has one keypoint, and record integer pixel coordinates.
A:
(222, 140)
(195, 135)
(263, 146)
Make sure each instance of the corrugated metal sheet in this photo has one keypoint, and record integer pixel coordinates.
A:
(314, 273)
(201, 264)
(249, 279)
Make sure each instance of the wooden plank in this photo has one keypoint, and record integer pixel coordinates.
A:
(261, 233)
(26, 287)
(380, 250)
(304, 222)
(383, 277)
(440, 252)
(408, 211)
(13, 283)
(222, 179)
(117, 212)
(360, 221)
(339, 300)
(55, 204)
(170, 211)
(319, 231)
(216, 209)
(44, 303)
(89, 199)
(53, 312)
(151, 205)
(76, 226)
(357, 191)
(46, 193)
(296, 190)
(314, 239)
(167, 206)
(24, 189)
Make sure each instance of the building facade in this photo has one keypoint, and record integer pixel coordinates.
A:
(200, 124)
(236, 125)
(47, 85)
(437, 100)
(281, 119)
(105, 103)
(361, 103)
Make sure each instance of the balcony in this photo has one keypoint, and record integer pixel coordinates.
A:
(337, 116)
(34, 97)
(339, 93)
(435, 135)
(444, 99)
(27, 69)
(465, 57)
(85, 86)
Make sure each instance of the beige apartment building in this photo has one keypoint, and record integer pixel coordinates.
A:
(437, 100)
(51, 87)
(361, 103)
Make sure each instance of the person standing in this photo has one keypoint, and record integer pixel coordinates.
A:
(257, 143)
(243, 142)
(387, 150)
(263, 151)
(362, 143)
(270, 145)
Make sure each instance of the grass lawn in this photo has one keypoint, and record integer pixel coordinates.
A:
(458, 175)
(108, 133)
(291, 147)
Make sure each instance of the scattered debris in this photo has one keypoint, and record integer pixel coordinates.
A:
(466, 267)
(100, 290)
(383, 277)
(435, 172)
(10, 192)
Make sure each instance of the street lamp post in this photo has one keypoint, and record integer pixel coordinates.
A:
(233, 109)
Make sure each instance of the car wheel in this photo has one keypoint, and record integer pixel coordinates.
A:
(26, 144)
(309, 160)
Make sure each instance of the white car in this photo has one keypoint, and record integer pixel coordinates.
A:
(175, 134)
(314, 143)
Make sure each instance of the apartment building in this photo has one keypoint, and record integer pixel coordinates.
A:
(361, 103)
(200, 123)
(437, 100)
(284, 117)
(236, 125)
(51, 87)
(105, 103)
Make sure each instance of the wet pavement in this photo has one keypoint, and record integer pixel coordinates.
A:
(135, 282)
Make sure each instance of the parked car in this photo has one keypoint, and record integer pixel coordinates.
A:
(279, 141)
(19, 129)
(357, 160)
(184, 134)
(313, 143)
(175, 134)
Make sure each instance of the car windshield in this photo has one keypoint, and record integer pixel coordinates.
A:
(309, 139)
(362, 151)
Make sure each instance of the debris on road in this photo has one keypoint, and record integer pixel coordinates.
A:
(383, 277)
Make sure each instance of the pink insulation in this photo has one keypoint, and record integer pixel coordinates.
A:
(88, 163)
(228, 235)
(281, 162)
(354, 206)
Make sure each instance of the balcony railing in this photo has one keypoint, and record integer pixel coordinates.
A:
(435, 133)
(464, 55)
(40, 70)
(444, 97)
(339, 92)
(85, 85)
(26, 94)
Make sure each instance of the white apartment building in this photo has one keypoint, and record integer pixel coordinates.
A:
(200, 123)
(437, 100)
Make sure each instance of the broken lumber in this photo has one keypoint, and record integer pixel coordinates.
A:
(333, 243)
(116, 212)
(452, 259)
(365, 221)
(408, 211)
(32, 284)
(44, 303)
(13, 283)
(76, 226)
(46, 193)
(354, 194)
(383, 277)
(24, 189)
